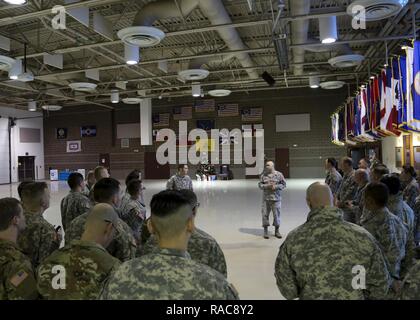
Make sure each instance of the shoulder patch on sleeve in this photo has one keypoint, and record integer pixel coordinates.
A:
(18, 278)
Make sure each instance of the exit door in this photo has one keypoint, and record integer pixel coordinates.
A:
(282, 161)
(154, 170)
(26, 168)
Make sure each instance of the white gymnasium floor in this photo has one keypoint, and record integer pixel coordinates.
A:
(229, 211)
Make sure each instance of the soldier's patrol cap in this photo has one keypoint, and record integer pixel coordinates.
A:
(103, 212)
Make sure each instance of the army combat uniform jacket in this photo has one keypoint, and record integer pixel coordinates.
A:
(333, 180)
(178, 182)
(87, 266)
(17, 281)
(410, 193)
(72, 206)
(202, 247)
(124, 245)
(133, 212)
(39, 239)
(411, 285)
(348, 188)
(167, 274)
(316, 260)
(402, 210)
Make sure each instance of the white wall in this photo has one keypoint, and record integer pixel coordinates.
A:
(4, 150)
(34, 120)
(388, 152)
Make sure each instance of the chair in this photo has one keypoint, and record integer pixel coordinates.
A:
(224, 172)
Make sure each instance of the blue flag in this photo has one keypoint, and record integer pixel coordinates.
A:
(402, 113)
(416, 85)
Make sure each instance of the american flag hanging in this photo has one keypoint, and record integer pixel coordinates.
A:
(161, 120)
(228, 110)
(252, 114)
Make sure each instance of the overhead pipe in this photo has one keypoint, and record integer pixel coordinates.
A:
(300, 30)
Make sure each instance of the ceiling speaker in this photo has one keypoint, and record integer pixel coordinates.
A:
(268, 78)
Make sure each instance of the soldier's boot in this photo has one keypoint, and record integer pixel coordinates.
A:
(266, 233)
(277, 233)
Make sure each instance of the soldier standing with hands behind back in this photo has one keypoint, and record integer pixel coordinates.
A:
(271, 182)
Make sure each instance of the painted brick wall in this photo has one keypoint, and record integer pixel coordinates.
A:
(306, 160)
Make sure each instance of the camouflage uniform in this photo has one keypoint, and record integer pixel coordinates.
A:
(316, 260)
(354, 214)
(417, 220)
(410, 193)
(17, 281)
(167, 274)
(202, 247)
(123, 247)
(333, 180)
(347, 192)
(133, 212)
(72, 206)
(39, 239)
(271, 200)
(400, 208)
(87, 266)
(178, 182)
(411, 285)
(392, 236)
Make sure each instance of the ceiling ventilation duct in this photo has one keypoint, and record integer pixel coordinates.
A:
(83, 86)
(6, 63)
(346, 61)
(332, 85)
(375, 9)
(52, 107)
(220, 93)
(132, 100)
(300, 30)
(143, 34)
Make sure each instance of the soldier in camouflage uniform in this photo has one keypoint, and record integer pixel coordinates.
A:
(86, 263)
(17, 280)
(348, 189)
(100, 172)
(202, 247)
(181, 180)
(317, 259)
(354, 208)
(417, 221)
(409, 184)
(388, 230)
(132, 210)
(39, 239)
(334, 178)
(411, 285)
(124, 245)
(272, 182)
(377, 172)
(168, 273)
(76, 202)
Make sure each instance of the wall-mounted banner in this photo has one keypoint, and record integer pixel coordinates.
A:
(252, 114)
(182, 113)
(74, 146)
(208, 105)
(228, 110)
(88, 131)
(161, 120)
(61, 133)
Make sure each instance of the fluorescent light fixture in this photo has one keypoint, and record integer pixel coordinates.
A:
(196, 90)
(32, 106)
(314, 82)
(328, 29)
(132, 54)
(16, 2)
(115, 96)
(16, 70)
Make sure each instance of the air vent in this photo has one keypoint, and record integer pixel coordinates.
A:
(220, 93)
(6, 63)
(132, 100)
(331, 85)
(193, 74)
(142, 37)
(51, 107)
(346, 61)
(376, 9)
(83, 86)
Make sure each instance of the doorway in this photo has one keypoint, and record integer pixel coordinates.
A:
(26, 168)
(282, 161)
(153, 170)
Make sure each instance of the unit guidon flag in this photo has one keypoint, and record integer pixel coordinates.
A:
(88, 131)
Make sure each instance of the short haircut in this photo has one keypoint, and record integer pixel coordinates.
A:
(181, 166)
(98, 171)
(90, 174)
(21, 186)
(332, 162)
(105, 189)
(134, 187)
(74, 180)
(348, 161)
(33, 192)
(365, 160)
(392, 182)
(170, 212)
(409, 170)
(9, 208)
(190, 195)
(378, 192)
(133, 175)
(380, 170)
